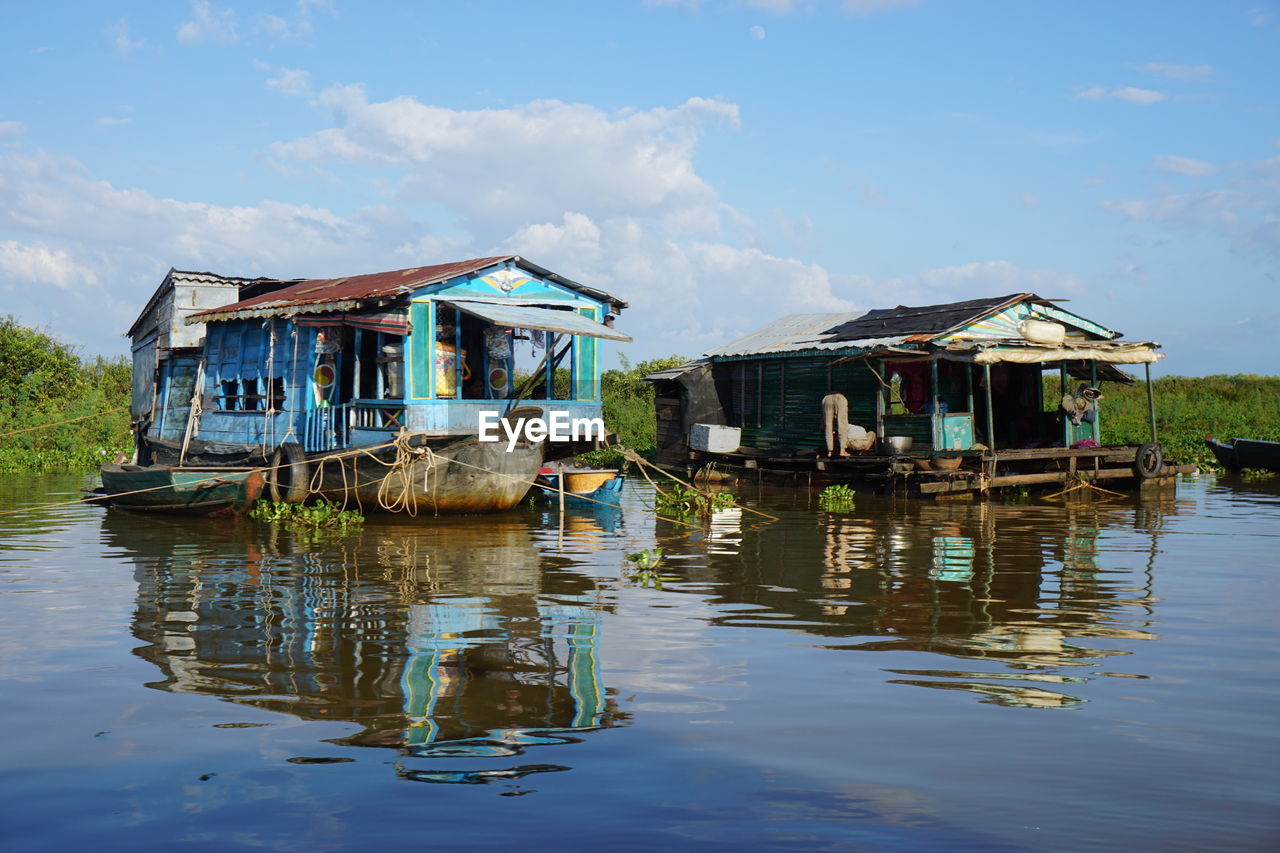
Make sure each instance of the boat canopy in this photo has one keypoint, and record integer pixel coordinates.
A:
(535, 317)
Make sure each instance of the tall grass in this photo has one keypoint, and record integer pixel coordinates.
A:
(1188, 408)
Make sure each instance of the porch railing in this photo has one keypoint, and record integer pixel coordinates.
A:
(330, 428)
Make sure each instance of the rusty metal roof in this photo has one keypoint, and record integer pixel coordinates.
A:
(340, 294)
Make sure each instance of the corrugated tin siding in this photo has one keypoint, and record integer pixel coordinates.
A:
(777, 402)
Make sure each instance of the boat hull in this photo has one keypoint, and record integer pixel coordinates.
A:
(173, 489)
(1246, 453)
(463, 476)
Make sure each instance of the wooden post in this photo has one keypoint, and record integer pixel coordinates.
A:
(1093, 380)
(549, 386)
(880, 404)
(1151, 401)
(991, 420)
(560, 535)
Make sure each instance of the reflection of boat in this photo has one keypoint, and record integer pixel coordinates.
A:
(583, 486)
(1246, 453)
(163, 487)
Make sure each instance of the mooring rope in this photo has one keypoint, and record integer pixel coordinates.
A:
(62, 423)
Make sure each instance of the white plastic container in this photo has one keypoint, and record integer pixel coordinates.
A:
(1042, 332)
(714, 438)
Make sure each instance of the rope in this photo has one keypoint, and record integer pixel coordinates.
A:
(632, 456)
(61, 423)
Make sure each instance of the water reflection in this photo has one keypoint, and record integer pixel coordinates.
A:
(451, 641)
(1027, 594)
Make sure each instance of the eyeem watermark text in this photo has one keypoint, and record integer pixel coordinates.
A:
(559, 427)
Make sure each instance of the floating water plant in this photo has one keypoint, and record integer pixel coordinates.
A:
(837, 498)
(684, 501)
(321, 516)
(646, 567)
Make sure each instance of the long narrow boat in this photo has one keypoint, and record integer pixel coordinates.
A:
(165, 487)
(1246, 453)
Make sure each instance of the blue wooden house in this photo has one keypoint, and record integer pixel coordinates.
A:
(317, 366)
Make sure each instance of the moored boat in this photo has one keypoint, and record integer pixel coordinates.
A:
(584, 487)
(170, 488)
(1246, 453)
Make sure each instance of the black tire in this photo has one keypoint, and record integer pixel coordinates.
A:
(1148, 461)
(288, 479)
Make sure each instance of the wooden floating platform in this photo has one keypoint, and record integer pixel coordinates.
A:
(979, 472)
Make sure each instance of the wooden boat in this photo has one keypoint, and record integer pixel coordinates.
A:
(458, 476)
(584, 487)
(166, 487)
(1246, 453)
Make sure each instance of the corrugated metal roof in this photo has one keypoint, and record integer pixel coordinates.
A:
(337, 294)
(195, 277)
(531, 317)
(677, 371)
(786, 334)
(925, 319)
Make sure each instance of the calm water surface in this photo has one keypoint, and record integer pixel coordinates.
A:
(910, 676)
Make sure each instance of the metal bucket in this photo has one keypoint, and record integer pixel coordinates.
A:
(899, 444)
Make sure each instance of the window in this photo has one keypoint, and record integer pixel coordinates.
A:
(240, 367)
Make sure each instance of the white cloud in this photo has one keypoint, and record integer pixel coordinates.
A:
(1134, 95)
(37, 264)
(12, 128)
(1258, 17)
(119, 32)
(1179, 72)
(757, 33)
(502, 169)
(1130, 94)
(870, 7)
(1184, 166)
(990, 278)
(1248, 213)
(292, 81)
(208, 24)
(1029, 200)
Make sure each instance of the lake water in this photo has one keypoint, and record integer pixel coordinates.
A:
(910, 676)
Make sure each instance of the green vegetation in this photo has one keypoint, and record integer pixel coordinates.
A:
(58, 411)
(321, 517)
(1188, 409)
(838, 498)
(628, 409)
(645, 571)
(682, 501)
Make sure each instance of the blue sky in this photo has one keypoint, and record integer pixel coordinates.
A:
(715, 163)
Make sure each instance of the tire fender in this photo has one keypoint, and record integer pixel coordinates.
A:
(1148, 461)
(288, 481)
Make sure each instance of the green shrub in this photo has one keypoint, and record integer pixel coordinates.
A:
(58, 411)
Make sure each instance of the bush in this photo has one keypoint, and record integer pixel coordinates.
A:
(58, 411)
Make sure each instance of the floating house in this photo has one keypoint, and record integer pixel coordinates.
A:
(372, 387)
(953, 393)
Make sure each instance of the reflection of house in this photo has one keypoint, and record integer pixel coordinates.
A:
(962, 379)
(388, 632)
(1011, 597)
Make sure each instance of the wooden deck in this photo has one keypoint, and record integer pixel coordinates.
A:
(980, 471)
